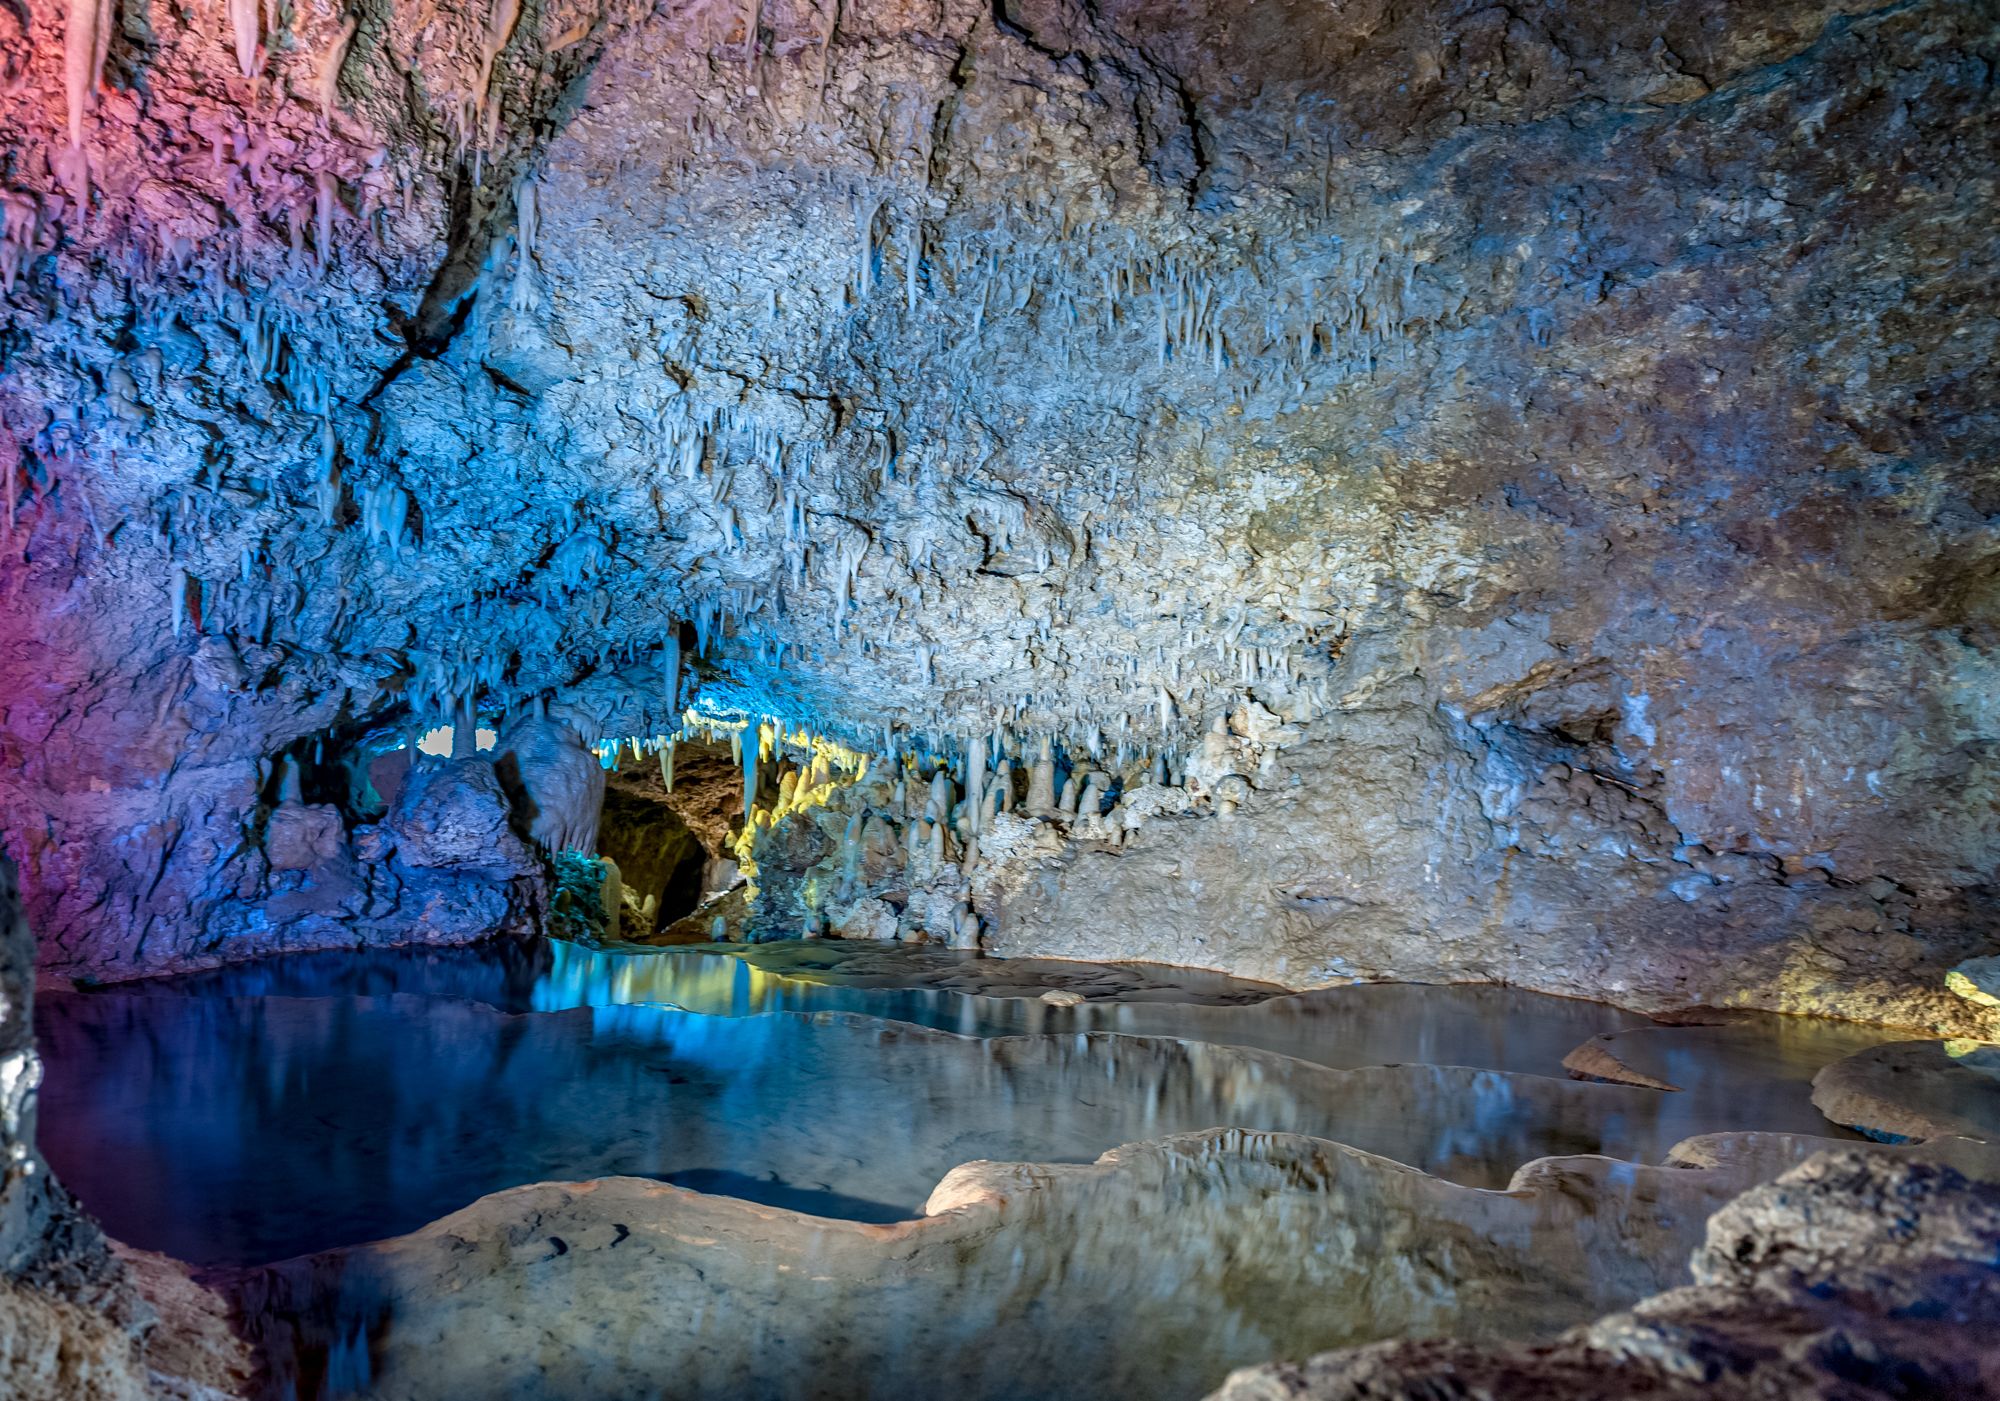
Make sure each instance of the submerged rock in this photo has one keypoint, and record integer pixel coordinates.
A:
(1915, 1090)
(1593, 1060)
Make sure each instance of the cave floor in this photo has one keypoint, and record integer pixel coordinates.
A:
(317, 1101)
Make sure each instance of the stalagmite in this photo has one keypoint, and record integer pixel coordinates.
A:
(1042, 782)
(1095, 786)
(613, 895)
(964, 927)
(975, 786)
(290, 788)
(850, 855)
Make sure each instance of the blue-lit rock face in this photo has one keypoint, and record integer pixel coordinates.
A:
(1492, 495)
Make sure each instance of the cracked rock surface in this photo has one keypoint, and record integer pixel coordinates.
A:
(1851, 1276)
(1568, 427)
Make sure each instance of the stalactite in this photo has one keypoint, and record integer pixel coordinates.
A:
(327, 89)
(243, 27)
(975, 786)
(500, 24)
(10, 481)
(86, 43)
(82, 60)
(865, 209)
(326, 199)
(184, 598)
(750, 744)
(527, 227)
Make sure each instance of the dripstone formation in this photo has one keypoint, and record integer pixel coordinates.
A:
(1318, 491)
(1516, 480)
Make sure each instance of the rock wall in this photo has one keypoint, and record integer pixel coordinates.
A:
(1571, 426)
(70, 1323)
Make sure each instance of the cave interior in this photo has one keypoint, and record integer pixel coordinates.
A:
(1281, 700)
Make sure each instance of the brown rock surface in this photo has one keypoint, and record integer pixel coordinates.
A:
(1145, 1274)
(1915, 1090)
(1852, 1276)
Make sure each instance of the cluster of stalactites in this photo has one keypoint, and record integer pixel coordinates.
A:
(818, 765)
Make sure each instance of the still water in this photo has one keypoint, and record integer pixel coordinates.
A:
(306, 1102)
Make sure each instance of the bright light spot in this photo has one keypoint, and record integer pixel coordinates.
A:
(436, 743)
(484, 739)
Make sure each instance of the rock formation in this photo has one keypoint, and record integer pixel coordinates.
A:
(1914, 1090)
(72, 1323)
(1435, 491)
(1850, 1276)
(1426, 491)
(1094, 1280)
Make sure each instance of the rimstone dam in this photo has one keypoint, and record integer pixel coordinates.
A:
(1007, 700)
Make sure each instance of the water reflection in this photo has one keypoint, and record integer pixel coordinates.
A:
(301, 1103)
(1488, 1027)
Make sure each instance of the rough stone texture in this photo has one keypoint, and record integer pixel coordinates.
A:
(657, 853)
(1852, 1276)
(555, 783)
(1569, 425)
(70, 1323)
(1144, 1274)
(1914, 1090)
(1977, 980)
(194, 1352)
(1391, 849)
